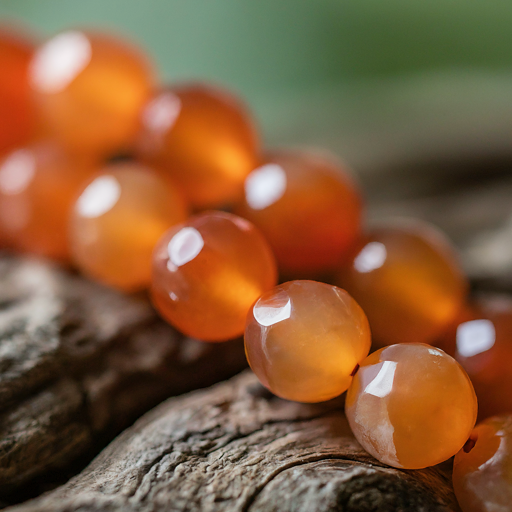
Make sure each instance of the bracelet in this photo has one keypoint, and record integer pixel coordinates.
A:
(81, 98)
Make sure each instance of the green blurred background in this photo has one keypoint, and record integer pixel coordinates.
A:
(376, 81)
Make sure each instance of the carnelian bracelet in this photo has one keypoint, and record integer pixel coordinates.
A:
(80, 98)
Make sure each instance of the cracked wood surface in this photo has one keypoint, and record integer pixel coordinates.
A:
(236, 447)
(79, 362)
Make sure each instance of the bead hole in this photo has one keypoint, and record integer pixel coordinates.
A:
(354, 371)
(470, 443)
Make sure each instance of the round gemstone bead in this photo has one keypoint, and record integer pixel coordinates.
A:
(482, 479)
(304, 339)
(16, 112)
(204, 138)
(411, 406)
(89, 89)
(484, 349)
(38, 185)
(307, 207)
(208, 272)
(407, 279)
(118, 219)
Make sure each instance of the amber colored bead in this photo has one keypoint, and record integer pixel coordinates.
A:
(304, 339)
(89, 89)
(482, 470)
(118, 219)
(38, 185)
(307, 207)
(16, 112)
(411, 406)
(204, 138)
(208, 272)
(484, 349)
(407, 279)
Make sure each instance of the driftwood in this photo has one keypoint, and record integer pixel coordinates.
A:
(236, 447)
(79, 362)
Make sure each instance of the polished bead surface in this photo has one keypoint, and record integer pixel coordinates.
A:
(89, 89)
(118, 219)
(411, 406)
(16, 112)
(482, 470)
(484, 349)
(308, 208)
(208, 272)
(303, 340)
(407, 279)
(204, 138)
(38, 185)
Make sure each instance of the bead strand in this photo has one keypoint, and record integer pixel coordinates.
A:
(81, 98)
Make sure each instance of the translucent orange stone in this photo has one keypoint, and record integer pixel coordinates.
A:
(208, 272)
(484, 349)
(304, 339)
(411, 406)
(482, 471)
(118, 219)
(204, 138)
(307, 207)
(89, 89)
(16, 112)
(408, 280)
(38, 185)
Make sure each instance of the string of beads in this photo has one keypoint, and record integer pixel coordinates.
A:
(159, 220)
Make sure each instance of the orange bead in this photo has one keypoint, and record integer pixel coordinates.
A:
(16, 112)
(118, 219)
(208, 272)
(304, 339)
(204, 138)
(484, 349)
(408, 281)
(482, 471)
(38, 185)
(308, 208)
(90, 89)
(411, 406)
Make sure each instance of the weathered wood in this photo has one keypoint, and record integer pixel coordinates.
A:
(79, 362)
(236, 447)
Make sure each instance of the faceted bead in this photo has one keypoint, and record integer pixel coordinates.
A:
(304, 339)
(308, 208)
(118, 219)
(38, 185)
(411, 406)
(408, 280)
(204, 138)
(16, 112)
(482, 477)
(89, 89)
(484, 349)
(208, 272)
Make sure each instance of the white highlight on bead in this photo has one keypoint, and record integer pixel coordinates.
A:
(475, 337)
(382, 384)
(57, 63)
(17, 172)
(183, 247)
(264, 186)
(99, 197)
(371, 257)
(162, 112)
(267, 315)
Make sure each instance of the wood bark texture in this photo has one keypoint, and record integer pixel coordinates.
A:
(79, 362)
(236, 447)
